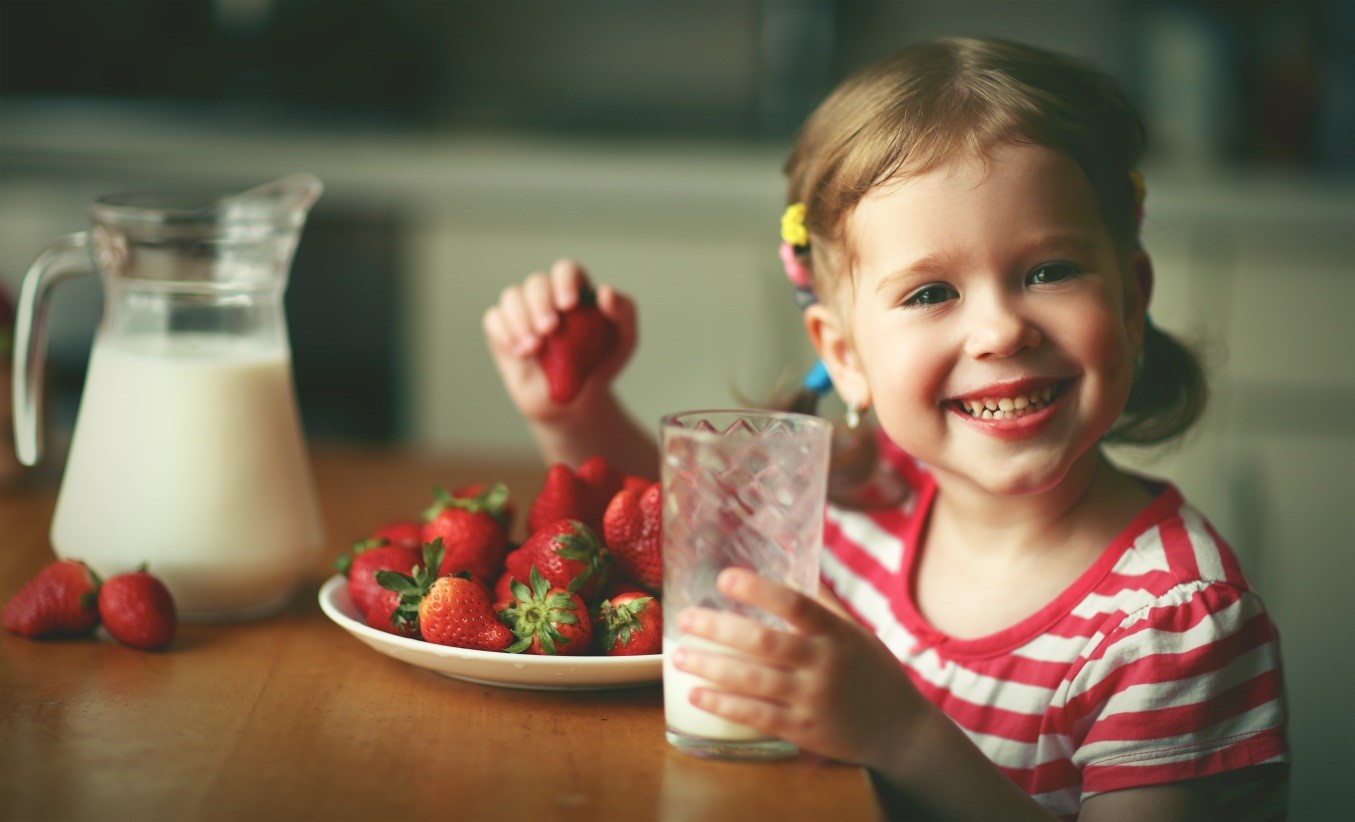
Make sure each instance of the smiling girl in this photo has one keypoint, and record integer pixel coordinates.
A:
(1019, 627)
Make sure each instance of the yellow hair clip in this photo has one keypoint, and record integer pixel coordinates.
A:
(793, 229)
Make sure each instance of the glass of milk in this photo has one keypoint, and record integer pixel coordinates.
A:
(744, 489)
(188, 452)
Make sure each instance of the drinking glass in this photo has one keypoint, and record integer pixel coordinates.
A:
(745, 489)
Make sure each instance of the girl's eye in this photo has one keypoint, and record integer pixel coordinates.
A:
(1053, 273)
(930, 295)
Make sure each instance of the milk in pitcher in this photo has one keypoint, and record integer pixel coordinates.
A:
(225, 512)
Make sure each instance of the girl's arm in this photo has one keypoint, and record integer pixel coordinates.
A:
(594, 423)
(833, 688)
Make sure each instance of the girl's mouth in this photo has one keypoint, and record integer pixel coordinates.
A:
(1010, 406)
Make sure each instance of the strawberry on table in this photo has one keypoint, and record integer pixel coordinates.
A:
(579, 342)
(548, 620)
(448, 610)
(633, 530)
(629, 624)
(138, 610)
(61, 601)
(471, 530)
(567, 554)
(365, 558)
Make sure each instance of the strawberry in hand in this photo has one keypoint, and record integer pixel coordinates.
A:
(548, 619)
(581, 340)
(633, 530)
(448, 610)
(61, 601)
(471, 530)
(629, 624)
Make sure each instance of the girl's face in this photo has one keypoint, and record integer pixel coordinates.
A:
(982, 286)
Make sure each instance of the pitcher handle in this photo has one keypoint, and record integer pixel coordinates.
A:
(65, 258)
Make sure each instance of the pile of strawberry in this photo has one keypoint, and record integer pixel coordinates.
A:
(584, 581)
(67, 599)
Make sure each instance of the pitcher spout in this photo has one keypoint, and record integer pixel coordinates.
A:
(283, 202)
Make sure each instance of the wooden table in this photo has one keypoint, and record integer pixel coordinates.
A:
(291, 718)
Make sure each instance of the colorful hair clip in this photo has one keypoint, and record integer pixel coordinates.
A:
(793, 229)
(796, 271)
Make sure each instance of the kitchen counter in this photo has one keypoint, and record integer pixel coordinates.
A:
(292, 718)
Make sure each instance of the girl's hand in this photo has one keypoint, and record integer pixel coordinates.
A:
(516, 326)
(827, 684)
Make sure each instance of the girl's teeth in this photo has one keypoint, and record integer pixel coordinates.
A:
(1001, 408)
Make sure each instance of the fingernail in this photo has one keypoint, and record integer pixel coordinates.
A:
(686, 620)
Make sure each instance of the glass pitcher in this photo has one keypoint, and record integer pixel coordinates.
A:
(187, 452)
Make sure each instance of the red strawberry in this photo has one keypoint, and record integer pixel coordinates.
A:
(562, 496)
(567, 554)
(407, 534)
(375, 603)
(618, 585)
(62, 600)
(548, 619)
(448, 610)
(633, 530)
(503, 588)
(630, 624)
(505, 515)
(138, 610)
(471, 531)
(570, 352)
(634, 483)
(601, 482)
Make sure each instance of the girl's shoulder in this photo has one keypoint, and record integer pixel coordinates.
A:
(1170, 543)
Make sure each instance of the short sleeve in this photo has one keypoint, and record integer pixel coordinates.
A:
(1189, 686)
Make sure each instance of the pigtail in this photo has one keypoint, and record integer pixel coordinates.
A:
(1169, 394)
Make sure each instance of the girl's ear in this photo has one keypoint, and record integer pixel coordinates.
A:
(828, 334)
(1138, 292)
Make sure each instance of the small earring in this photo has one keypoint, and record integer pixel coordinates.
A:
(852, 416)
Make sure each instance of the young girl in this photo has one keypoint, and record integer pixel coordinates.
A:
(1029, 630)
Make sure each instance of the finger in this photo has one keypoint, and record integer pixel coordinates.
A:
(517, 323)
(799, 611)
(620, 309)
(759, 714)
(567, 278)
(500, 342)
(736, 674)
(541, 313)
(746, 635)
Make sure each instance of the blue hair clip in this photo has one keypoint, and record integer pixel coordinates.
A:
(817, 380)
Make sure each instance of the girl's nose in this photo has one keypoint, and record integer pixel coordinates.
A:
(998, 329)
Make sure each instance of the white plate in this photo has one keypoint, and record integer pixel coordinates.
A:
(552, 673)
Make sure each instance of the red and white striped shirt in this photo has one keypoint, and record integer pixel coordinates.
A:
(1158, 664)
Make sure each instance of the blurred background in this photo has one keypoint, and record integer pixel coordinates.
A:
(466, 144)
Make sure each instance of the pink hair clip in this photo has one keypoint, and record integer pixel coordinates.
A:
(796, 271)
